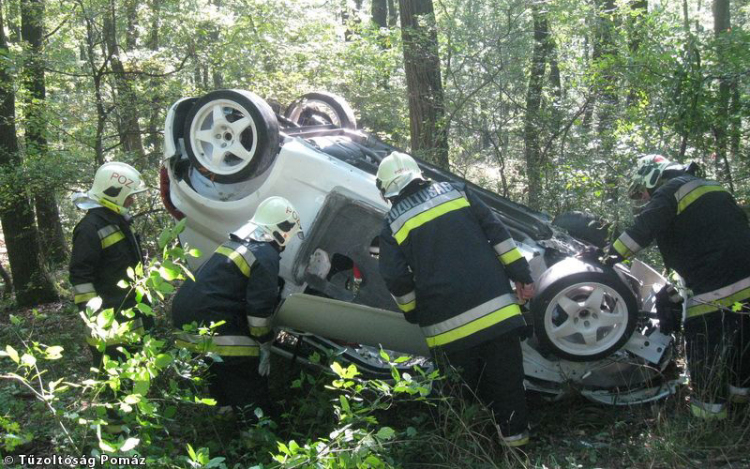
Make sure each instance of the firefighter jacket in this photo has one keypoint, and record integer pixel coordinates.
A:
(104, 247)
(238, 284)
(702, 234)
(446, 259)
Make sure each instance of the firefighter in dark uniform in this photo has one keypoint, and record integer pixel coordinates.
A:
(704, 236)
(104, 247)
(447, 260)
(239, 284)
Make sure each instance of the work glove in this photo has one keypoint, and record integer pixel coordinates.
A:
(669, 309)
(610, 257)
(264, 368)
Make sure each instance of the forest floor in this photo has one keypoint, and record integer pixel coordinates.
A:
(573, 433)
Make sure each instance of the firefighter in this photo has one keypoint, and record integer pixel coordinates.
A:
(704, 236)
(239, 285)
(104, 247)
(446, 260)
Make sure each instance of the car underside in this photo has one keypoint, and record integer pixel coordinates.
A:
(594, 328)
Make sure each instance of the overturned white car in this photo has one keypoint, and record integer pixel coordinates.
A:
(595, 329)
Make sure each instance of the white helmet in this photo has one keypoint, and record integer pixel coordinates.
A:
(275, 220)
(395, 172)
(113, 183)
(647, 174)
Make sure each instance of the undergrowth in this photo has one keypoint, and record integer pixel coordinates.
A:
(52, 403)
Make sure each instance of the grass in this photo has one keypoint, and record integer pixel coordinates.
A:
(448, 433)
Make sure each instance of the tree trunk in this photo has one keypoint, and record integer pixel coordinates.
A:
(380, 13)
(604, 49)
(392, 14)
(429, 132)
(47, 213)
(638, 10)
(33, 285)
(154, 138)
(721, 28)
(532, 151)
(130, 130)
(96, 76)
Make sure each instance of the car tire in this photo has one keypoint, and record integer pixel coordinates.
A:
(584, 226)
(582, 311)
(328, 107)
(231, 135)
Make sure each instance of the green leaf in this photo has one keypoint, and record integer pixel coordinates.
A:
(54, 352)
(386, 433)
(205, 400)
(170, 412)
(104, 445)
(12, 353)
(163, 360)
(165, 287)
(195, 252)
(28, 359)
(164, 238)
(168, 274)
(215, 462)
(141, 387)
(129, 444)
(191, 452)
(132, 399)
(337, 369)
(345, 404)
(179, 227)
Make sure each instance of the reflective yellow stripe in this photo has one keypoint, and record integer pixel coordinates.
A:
(237, 258)
(428, 216)
(475, 326)
(406, 307)
(83, 298)
(224, 350)
(258, 331)
(519, 442)
(112, 239)
(511, 256)
(701, 190)
(622, 249)
(715, 305)
(711, 414)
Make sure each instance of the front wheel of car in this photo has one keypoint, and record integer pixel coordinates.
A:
(321, 108)
(231, 135)
(583, 312)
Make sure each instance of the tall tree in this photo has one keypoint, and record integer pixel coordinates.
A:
(380, 13)
(532, 150)
(605, 51)
(129, 127)
(45, 200)
(722, 27)
(429, 130)
(32, 284)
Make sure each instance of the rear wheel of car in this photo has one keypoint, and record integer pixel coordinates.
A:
(584, 226)
(582, 312)
(231, 135)
(321, 108)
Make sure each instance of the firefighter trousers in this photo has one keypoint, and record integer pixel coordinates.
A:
(717, 346)
(493, 370)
